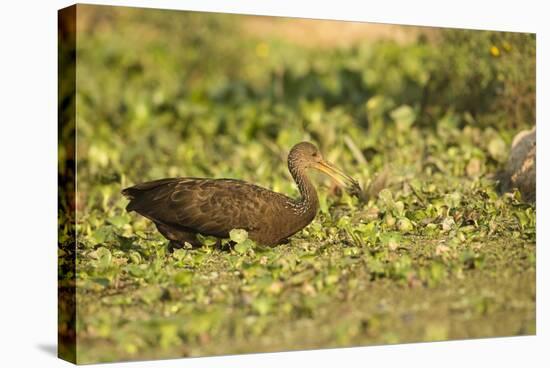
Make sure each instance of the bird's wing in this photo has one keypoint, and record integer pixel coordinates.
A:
(216, 206)
(207, 206)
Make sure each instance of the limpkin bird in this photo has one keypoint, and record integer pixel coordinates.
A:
(184, 207)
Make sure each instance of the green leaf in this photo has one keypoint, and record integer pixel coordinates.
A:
(101, 234)
(207, 240)
(169, 335)
(179, 254)
(104, 257)
(452, 200)
(135, 257)
(118, 221)
(405, 225)
(497, 149)
(183, 278)
(262, 305)
(135, 270)
(399, 208)
(404, 117)
(386, 198)
(244, 246)
(238, 235)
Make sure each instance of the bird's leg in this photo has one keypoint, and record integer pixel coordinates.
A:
(178, 238)
(227, 246)
(173, 245)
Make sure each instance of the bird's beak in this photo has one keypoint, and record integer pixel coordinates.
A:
(338, 175)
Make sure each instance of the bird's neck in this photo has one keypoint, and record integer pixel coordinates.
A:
(308, 203)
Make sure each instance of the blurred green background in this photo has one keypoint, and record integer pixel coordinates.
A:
(422, 117)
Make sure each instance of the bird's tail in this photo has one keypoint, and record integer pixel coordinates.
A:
(140, 193)
(129, 192)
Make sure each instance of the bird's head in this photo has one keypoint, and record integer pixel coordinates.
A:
(306, 155)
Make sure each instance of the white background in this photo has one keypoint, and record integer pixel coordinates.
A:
(28, 139)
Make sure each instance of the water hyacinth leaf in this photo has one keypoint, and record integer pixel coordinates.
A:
(179, 254)
(118, 221)
(391, 239)
(386, 196)
(404, 117)
(135, 270)
(207, 240)
(104, 257)
(183, 278)
(497, 149)
(399, 208)
(168, 335)
(262, 305)
(452, 200)
(405, 225)
(101, 235)
(135, 257)
(343, 222)
(238, 235)
(244, 246)
(448, 223)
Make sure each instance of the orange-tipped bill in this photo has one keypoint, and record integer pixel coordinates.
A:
(339, 176)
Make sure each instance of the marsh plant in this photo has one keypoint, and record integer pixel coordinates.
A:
(433, 251)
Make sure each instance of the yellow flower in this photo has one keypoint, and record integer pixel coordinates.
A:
(495, 51)
(262, 50)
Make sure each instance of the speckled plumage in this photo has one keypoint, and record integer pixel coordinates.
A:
(183, 207)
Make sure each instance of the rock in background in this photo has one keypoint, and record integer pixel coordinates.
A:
(520, 170)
